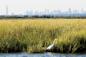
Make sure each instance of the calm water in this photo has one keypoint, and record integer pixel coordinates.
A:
(41, 55)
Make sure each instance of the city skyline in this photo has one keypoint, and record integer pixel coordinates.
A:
(43, 11)
(23, 6)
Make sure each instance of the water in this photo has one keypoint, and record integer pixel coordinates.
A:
(41, 55)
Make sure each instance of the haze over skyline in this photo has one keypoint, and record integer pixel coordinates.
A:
(21, 6)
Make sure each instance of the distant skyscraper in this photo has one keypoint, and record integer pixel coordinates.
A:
(69, 10)
(6, 10)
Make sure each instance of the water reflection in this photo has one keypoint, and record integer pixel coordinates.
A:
(41, 55)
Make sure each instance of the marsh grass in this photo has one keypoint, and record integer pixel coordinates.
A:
(36, 35)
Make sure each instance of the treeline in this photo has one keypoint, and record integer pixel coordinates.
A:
(38, 16)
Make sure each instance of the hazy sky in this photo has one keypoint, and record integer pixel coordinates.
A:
(23, 5)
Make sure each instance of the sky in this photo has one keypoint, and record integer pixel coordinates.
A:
(21, 6)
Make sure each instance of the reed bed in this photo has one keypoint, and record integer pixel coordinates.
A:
(35, 35)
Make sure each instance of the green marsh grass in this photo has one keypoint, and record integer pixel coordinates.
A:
(35, 35)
